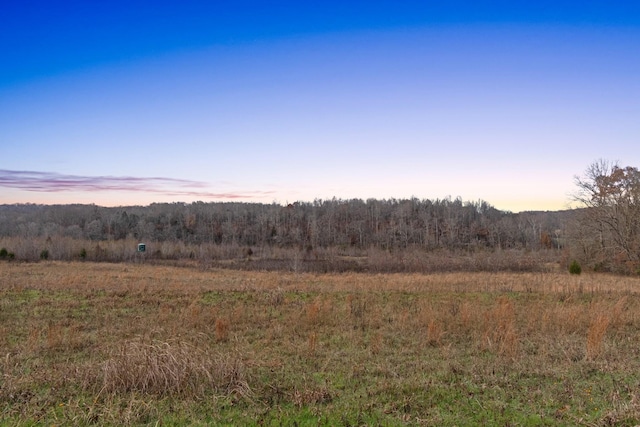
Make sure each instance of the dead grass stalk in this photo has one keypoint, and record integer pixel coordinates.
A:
(172, 368)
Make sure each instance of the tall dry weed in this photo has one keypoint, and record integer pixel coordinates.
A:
(165, 312)
(465, 315)
(358, 309)
(276, 297)
(435, 332)
(595, 335)
(310, 396)
(54, 336)
(4, 336)
(33, 339)
(192, 313)
(376, 343)
(172, 369)
(568, 319)
(313, 311)
(403, 318)
(617, 311)
(198, 316)
(221, 329)
(500, 333)
(312, 343)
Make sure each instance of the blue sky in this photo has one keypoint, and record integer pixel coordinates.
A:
(142, 102)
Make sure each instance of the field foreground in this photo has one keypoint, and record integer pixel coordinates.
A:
(85, 343)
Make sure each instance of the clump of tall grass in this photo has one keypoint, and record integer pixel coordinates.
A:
(309, 396)
(359, 311)
(173, 368)
(435, 333)
(313, 342)
(500, 328)
(221, 330)
(595, 335)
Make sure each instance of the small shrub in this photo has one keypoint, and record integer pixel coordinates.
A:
(44, 254)
(4, 253)
(574, 268)
(11, 256)
(83, 253)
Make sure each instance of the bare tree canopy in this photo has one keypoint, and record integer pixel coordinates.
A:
(610, 224)
(385, 224)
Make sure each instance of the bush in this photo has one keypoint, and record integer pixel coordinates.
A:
(3, 253)
(44, 254)
(574, 268)
(83, 253)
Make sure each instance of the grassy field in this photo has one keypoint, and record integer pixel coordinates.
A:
(85, 343)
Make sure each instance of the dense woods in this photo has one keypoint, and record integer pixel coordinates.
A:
(603, 234)
(385, 224)
(306, 232)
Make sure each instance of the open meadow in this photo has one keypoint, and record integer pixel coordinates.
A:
(110, 344)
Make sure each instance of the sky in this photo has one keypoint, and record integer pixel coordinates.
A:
(131, 103)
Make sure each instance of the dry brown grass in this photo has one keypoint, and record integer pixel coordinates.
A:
(133, 336)
(313, 343)
(500, 328)
(435, 333)
(310, 396)
(172, 368)
(221, 331)
(138, 278)
(595, 335)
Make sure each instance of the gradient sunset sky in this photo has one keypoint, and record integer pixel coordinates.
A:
(120, 103)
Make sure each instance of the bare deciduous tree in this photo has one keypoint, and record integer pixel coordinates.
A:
(611, 218)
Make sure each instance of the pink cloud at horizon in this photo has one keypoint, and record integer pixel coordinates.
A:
(52, 182)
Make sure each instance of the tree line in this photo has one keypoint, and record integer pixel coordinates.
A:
(383, 224)
(602, 233)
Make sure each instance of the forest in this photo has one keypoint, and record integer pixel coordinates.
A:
(336, 235)
(266, 233)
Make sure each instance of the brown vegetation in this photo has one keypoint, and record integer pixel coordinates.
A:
(130, 343)
(171, 368)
